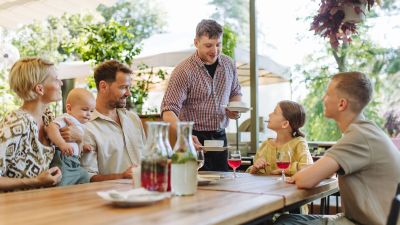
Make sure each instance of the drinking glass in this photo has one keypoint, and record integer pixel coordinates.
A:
(234, 159)
(283, 160)
(200, 159)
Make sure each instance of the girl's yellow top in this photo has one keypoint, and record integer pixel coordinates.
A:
(300, 155)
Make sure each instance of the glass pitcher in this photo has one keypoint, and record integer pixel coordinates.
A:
(165, 138)
(184, 162)
(154, 169)
(168, 149)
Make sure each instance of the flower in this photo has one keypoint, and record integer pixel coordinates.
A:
(334, 21)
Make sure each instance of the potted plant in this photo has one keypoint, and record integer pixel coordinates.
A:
(337, 19)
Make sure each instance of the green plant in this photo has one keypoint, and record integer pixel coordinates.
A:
(142, 17)
(45, 38)
(101, 42)
(115, 41)
(330, 20)
(235, 14)
(8, 100)
(362, 55)
(144, 78)
(229, 40)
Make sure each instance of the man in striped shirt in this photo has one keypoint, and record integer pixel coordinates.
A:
(200, 88)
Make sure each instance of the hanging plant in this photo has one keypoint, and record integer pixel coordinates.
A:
(337, 19)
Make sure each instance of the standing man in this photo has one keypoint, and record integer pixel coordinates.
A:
(199, 90)
(366, 160)
(116, 136)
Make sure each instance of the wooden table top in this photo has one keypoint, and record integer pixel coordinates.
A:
(248, 183)
(267, 185)
(79, 204)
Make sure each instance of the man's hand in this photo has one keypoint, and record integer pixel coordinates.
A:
(87, 148)
(196, 142)
(67, 149)
(49, 177)
(127, 174)
(232, 115)
(71, 133)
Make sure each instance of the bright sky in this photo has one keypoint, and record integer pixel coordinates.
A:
(277, 21)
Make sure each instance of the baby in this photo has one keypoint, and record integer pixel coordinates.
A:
(80, 105)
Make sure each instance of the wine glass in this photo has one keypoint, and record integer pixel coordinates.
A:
(200, 158)
(234, 159)
(283, 161)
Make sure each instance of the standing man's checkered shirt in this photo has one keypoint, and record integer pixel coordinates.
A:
(193, 95)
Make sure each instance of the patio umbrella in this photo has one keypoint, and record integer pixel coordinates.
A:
(269, 71)
(18, 12)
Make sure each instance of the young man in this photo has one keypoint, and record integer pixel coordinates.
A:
(116, 136)
(199, 89)
(366, 160)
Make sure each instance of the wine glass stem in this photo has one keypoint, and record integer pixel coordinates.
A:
(234, 173)
(237, 134)
(283, 175)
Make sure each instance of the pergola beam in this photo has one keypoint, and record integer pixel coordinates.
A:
(253, 78)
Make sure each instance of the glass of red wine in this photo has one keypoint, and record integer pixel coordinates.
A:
(283, 161)
(234, 159)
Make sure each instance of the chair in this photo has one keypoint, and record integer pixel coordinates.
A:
(394, 211)
(398, 189)
(395, 208)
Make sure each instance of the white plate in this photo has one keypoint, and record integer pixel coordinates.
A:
(212, 177)
(134, 197)
(201, 181)
(238, 109)
(213, 149)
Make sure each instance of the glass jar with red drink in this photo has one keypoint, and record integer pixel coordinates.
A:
(154, 166)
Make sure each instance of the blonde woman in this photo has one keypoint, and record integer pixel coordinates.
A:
(25, 151)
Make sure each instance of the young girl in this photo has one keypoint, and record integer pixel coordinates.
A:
(286, 120)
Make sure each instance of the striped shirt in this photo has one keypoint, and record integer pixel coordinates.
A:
(193, 95)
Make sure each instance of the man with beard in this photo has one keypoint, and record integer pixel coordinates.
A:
(116, 135)
(200, 88)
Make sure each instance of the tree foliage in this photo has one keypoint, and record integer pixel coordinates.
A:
(45, 39)
(361, 55)
(117, 35)
(234, 14)
(229, 40)
(99, 42)
(142, 17)
(144, 77)
(7, 99)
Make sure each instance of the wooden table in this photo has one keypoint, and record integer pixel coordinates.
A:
(79, 204)
(293, 197)
(227, 201)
